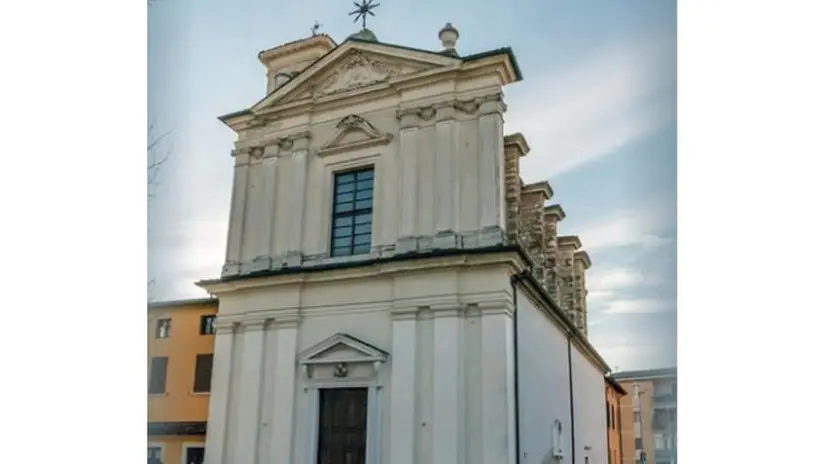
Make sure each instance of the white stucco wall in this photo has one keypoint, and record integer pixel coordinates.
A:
(438, 156)
(446, 389)
(589, 407)
(544, 394)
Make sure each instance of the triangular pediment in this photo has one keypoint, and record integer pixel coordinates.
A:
(355, 66)
(342, 348)
(354, 132)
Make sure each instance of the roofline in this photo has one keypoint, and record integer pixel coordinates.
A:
(572, 330)
(615, 385)
(182, 303)
(647, 374)
(476, 56)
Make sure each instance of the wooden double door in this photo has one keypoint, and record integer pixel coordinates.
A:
(342, 426)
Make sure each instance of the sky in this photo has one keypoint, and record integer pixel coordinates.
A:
(597, 107)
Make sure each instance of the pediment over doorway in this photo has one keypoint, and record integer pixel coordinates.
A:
(342, 348)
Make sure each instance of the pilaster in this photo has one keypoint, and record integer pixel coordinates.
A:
(498, 387)
(447, 179)
(235, 234)
(249, 396)
(220, 393)
(298, 156)
(403, 387)
(285, 331)
(268, 211)
(250, 247)
(491, 154)
(448, 411)
(406, 162)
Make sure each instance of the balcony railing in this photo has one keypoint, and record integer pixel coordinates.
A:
(665, 399)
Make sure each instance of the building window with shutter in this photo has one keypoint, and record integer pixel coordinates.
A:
(194, 454)
(157, 375)
(342, 426)
(163, 328)
(203, 373)
(208, 324)
(638, 443)
(352, 213)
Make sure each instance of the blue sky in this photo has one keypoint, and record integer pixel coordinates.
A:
(597, 106)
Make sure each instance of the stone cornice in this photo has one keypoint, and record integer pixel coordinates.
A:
(509, 258)
(583, 256)
(518, 140)
(411, 116)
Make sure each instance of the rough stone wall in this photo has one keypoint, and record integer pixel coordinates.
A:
(568, 245)
(553, 215)
(558, 262)
(532, 225)
(515, 148)
(581, 264)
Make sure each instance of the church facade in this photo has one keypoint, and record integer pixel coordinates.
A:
(388, 289)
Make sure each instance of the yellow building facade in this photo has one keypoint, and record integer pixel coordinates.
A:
(613, 396)
(179, 365)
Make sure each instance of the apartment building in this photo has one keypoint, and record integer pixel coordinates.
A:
(649, 416)
(181, 338)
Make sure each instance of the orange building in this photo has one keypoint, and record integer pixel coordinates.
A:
(649, 416)
(181, 343)
(613, 393)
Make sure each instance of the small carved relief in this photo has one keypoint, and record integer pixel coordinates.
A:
(349, 124)
(284, 143)
(341, 370)
(467, 106)
(257, 152)
(427, 113)
(358, 71)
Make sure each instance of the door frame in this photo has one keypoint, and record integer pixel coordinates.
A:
(191, 444)
(373, 445)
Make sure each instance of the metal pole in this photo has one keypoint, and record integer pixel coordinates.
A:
(638, 393)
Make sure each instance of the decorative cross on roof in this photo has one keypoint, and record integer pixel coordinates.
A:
(362, 10)
(315, 28)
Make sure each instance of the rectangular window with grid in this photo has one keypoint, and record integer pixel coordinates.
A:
(203, 373)
(157, 375)
(352, 213)
(208, 324)
(163, 328)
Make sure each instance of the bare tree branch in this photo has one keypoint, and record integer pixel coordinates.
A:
(155, 160)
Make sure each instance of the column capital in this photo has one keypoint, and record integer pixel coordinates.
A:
(286, 321)
(492, 104)
(408, 117)
(224, 327)
(254, 324)
(404, 313)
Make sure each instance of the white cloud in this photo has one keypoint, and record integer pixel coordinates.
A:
(628, 227)
(578, 115)
(614, 278)
(638, 306)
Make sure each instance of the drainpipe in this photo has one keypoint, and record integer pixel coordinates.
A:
(571, 390)
(619, 427)
(608, 413)
(514, 279)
